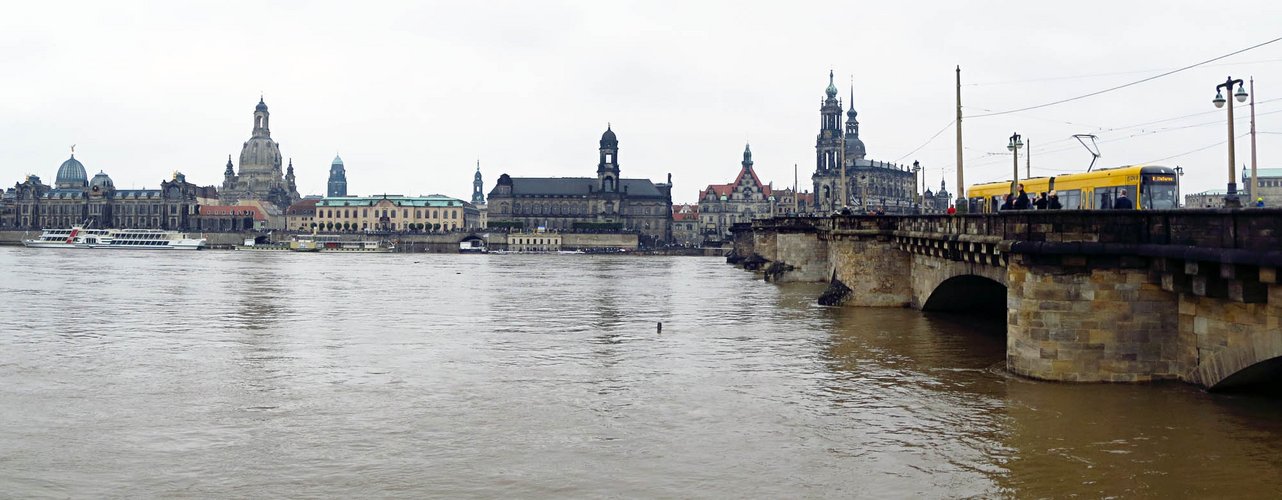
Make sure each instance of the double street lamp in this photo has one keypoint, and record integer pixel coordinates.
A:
(1231, 199)
(1013, 147)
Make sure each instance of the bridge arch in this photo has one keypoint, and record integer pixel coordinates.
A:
(968, 293)
(1254, 363)
(940, 284)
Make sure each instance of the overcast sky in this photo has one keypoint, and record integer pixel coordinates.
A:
(413, 93)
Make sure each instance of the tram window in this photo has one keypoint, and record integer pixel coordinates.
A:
(1070, 200)
(1158, 196)
(1104, 196)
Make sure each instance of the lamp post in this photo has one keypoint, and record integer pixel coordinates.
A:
(1179, 195)
(1013, 147)
(1231, 199)
(918, 196)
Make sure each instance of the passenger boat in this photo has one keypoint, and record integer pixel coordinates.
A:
(128, 239)
(333, 243)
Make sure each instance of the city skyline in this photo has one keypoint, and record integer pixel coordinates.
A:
(412, 95)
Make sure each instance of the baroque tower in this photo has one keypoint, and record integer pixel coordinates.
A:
(337, 178)
(854, 146)
(478, 196)
(607, 170)
(827, 148)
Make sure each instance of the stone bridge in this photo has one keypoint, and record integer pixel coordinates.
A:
(1089, 296)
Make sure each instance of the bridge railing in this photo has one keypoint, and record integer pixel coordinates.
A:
(1251, 229)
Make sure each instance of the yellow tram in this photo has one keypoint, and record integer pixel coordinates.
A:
(1151, 187)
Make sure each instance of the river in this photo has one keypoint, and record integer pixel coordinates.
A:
(247, 374)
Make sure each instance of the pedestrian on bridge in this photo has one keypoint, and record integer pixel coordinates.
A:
(1021, 202)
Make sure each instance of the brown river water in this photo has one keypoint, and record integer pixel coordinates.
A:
(263, 375)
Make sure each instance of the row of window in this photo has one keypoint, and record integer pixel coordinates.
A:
(395, 226)
(576, 209)
(389, 213)
(123, 208)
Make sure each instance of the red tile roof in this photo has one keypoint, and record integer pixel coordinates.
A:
(725, 189)
(681, 213)
(303, 207)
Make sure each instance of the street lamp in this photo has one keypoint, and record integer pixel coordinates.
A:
(1013, 147)
(1179, 194)
(1231, 199)
(919, 196)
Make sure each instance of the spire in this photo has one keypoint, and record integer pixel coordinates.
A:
(851, 112)
(747, 156)
(832, 88)
(230, 169)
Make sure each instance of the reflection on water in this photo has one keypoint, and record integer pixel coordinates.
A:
(230, 374)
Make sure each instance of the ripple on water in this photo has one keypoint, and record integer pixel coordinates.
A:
(220, 374)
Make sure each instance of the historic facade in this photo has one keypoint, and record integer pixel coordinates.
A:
(301, 215)
(337, 178)
(747, 198)
(76, 199)
(260, 177)
(870, 185)
(685, 225)
(433, 213)
(606, 201)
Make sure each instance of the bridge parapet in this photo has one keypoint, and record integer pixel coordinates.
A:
(1192, 295)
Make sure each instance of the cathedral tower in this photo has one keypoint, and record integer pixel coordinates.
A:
(854, 146)
(827, 150)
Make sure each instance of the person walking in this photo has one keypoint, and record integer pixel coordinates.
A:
(1009, 204)
(1053, 202)
(1041, 201)
(1122, 202)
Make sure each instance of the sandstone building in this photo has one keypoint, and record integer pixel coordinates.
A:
(75, 199)
(606, 201)
(432, 213)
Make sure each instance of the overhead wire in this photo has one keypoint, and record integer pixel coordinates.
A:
(928, 141)
(1125, 85)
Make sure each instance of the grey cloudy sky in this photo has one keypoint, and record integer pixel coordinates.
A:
(412, 93)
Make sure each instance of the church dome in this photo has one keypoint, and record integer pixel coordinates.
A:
(608, 137)
(832, 88)
(337, 160)
(71, 174)
(855, 148)
(262, 106)
(101, 181)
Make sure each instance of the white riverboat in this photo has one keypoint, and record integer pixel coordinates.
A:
(129, 239)
(326, 243)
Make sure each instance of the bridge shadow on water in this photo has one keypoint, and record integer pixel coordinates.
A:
(969, 295)
(1262, 379)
